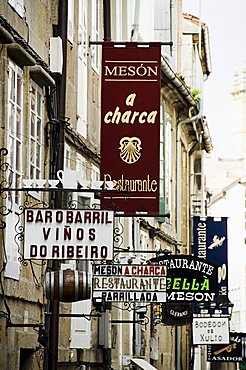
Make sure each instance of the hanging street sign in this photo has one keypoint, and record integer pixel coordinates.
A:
(130, 126)
(176, 313)
(234, 351)
(189, 279)
(209, 330)
(210, 243)
(129, 283)
(68, 234)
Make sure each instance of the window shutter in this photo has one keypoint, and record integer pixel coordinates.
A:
(70, 21)
(81, 327)
(82, 70)
(12, 269)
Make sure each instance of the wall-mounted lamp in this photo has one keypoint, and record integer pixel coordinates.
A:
(141, 311)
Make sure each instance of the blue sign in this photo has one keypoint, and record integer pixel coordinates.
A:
(210, 243)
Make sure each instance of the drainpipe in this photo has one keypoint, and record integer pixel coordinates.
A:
(106, 351)
(106, 20)
(171, 5)
(51, 363)
(205, 131)
(178, 218)
(202, 180)
(208, 147)
(178, 226)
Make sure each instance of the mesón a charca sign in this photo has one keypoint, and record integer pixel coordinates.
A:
(189, 279)
(129, 283)
(130, 126)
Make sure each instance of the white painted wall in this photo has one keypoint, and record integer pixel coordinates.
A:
(233, 206)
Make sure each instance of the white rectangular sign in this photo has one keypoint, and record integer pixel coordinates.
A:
(210, 330)
(125, 283)
(68, 234)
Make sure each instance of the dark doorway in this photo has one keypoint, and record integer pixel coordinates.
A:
(26, 359)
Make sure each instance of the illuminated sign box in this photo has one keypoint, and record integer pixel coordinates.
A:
(126, 283)
(189, 279)
(130, 126)
(68, 234)
(209, 330)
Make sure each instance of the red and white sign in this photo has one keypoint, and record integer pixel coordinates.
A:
(130, 127)
(68, 234)
(125, 283)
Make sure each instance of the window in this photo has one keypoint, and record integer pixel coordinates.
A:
(95, 34)
(198, 173)
(82, 30)
(143, 240)
(35, 149)
(168, 157)
(70, 21)
(84, 199)
(15, 112)
(82, 70)
(119, 24)
(95, 176)
(81, 328)
(157, 245)
(67, 159)
(163, 24)
(95, 173)
(12, 268)
(14, 140)
(196, 183)
(165, 163)
(81, 166)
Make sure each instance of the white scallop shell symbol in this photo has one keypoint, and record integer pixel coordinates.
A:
(130, 148)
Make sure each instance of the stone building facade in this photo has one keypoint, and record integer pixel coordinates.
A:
(50, 121)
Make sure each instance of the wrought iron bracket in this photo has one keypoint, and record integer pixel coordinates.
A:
(10, 324)
(141, 322)
(86, 316)
(165, 43)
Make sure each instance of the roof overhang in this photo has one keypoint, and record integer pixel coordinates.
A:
(195, 128)
(177, 93)
(200, 33)
(175, 90)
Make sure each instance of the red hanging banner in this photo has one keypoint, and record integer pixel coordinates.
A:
(130, 126)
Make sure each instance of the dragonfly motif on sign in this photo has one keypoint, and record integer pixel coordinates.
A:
(217, 242)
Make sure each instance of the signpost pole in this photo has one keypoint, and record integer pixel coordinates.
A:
(51, 358)
(107, 355)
